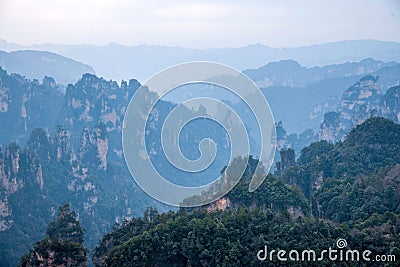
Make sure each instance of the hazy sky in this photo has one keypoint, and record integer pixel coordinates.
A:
(198, 23)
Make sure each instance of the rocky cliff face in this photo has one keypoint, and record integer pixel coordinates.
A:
(95, 144)
(332, 128)
(76, 158)
(288, 159)
(20, 169)
(9, 167)
(390, 104)
(36, 179)
(358, 103)
(25, 105)
(292, 141)
(93, 100)
(361, 100)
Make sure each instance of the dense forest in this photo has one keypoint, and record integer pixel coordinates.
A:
(348, 190)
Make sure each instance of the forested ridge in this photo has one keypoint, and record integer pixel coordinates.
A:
(347, 190)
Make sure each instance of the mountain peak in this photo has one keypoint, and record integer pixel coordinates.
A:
(35, 64)
(63, 246)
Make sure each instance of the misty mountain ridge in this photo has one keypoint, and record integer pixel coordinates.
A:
(290, 73)
(115, 61)
(312, 92)
(38, 64)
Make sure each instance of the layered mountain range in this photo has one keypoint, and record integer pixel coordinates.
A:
(344, 102)
(311, 92)
(117, 61)
(65, 145)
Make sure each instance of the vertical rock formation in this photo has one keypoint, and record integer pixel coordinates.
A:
(360, 100)
(287, 160)
(93, 100)
(10, 168)
(63, 245)
(9, 184)
(332, 128)
(101, 139)
(95, 145)
(25, 105)
(61, 143)
(391, 104)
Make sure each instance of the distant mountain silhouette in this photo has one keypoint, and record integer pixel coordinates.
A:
(118, 62)
(38, 64)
